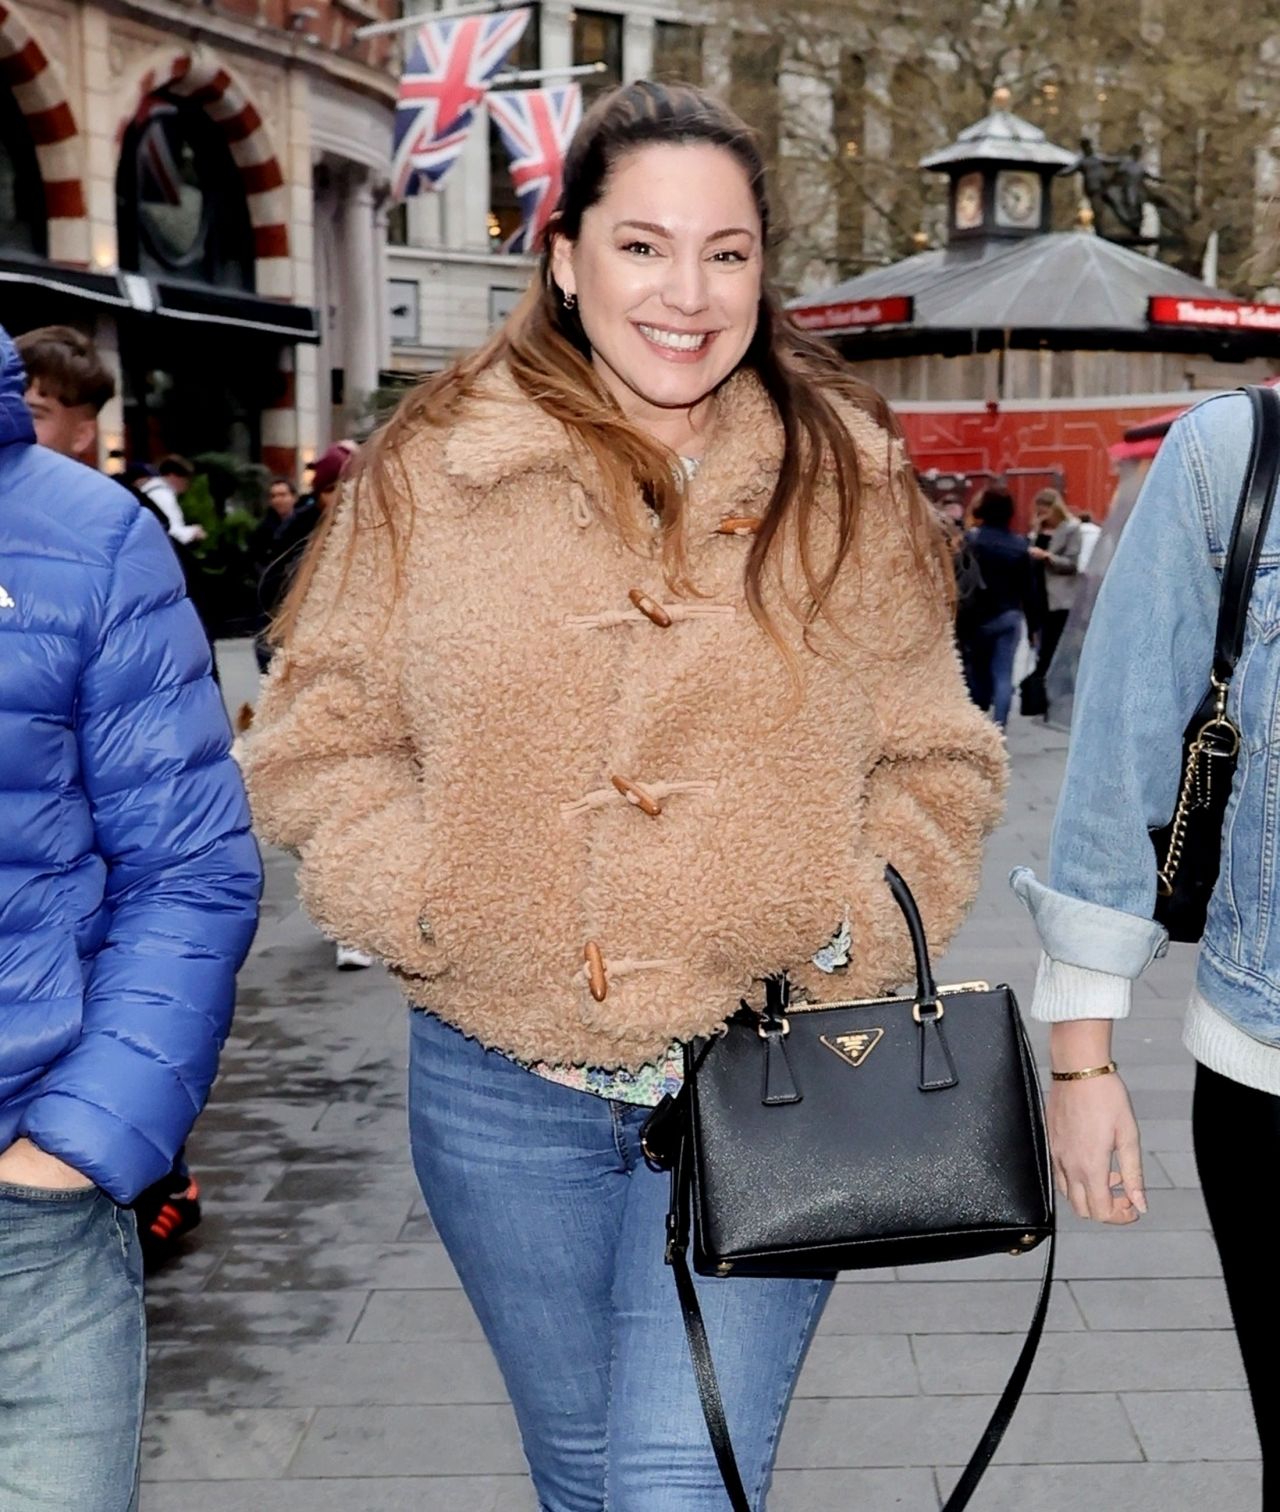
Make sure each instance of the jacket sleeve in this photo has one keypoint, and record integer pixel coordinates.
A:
(1066, 563)
(331, 769)
(937, 784)
(1143, 671)
(182, 883)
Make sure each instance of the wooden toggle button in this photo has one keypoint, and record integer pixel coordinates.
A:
(634, 793)
(650, 608)
(597, 980)
(739, 525)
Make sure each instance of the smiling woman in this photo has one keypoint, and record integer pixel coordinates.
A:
(526, 732)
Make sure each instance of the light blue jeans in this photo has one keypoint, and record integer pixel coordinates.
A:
(556, 1227)
(72, 1351)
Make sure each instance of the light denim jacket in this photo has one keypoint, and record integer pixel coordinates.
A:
(1143, 671)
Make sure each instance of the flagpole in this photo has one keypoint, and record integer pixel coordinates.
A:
(446, 13)
(529, 75)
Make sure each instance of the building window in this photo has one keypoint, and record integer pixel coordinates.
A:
(504, 208)
(755, 62)
(402, 311)
(398, 225)
(22, 217)
(849, 121)
(677, 52)
(180, 201)
(597, 38)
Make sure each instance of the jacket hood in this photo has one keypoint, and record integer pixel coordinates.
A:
(15, 417)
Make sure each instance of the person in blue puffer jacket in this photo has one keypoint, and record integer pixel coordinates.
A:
(129, 886)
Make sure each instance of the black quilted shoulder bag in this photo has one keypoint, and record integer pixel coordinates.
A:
(1189, 847)
(813, 1138)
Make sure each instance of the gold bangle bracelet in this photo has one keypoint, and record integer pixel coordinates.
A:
(1084, 1075)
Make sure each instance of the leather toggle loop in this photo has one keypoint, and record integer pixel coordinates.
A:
(641, 797)
(597, 977)
(650, 608)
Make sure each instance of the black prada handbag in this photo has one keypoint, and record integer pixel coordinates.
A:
(1189, 848)
(813, 1138)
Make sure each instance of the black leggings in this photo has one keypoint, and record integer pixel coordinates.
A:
(1237, 1140)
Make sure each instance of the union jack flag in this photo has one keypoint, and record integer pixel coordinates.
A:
(536, 127)
(160, 178)
(445, 75)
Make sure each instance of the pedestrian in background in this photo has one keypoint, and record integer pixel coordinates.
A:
(129, 887)
(165, 488)
(993, 620)
(265, 546)
(1060, 559)
(1143, 673)
(621, 668)
(67, 384)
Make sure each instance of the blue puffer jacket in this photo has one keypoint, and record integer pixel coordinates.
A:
(129, 879)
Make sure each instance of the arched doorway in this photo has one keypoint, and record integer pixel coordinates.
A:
(181, 209)
(184, 223)
(24, 226)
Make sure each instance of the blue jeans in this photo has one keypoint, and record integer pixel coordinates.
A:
(72, 1351)
(556, 1227)
(989, 651)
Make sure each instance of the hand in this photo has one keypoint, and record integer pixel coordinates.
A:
(199, 533)
(26, 1164)
(1093, 1140)
(1038, 554)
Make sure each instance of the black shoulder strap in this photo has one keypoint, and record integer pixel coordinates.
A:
(704, 1370)
(1249, 531)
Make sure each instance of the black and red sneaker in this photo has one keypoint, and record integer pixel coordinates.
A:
(163, 1218)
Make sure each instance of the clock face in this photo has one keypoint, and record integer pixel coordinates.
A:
(1018, 198)
(969, 202)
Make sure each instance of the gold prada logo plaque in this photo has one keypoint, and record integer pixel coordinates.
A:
(854, 1048)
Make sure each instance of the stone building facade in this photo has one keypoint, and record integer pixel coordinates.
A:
(204, 187)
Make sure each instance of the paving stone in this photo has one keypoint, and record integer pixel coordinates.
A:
(435, 1441)
(1193, 1425)
(840, 1490)
(895, 1431)
(439, 1317)
(845, 1365)
(462, 1493)
(334, 1267)
(1115, 1488)
(1153, 1304)
(200, 1444)
(944, 1307)
(327, 1375)
(249, 1317)
(1144, 1360)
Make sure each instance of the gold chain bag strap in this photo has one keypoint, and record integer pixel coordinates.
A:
(1188, 848)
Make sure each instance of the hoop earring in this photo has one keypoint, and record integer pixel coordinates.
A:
(570, 300)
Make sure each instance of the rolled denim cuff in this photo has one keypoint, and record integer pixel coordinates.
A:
(1064, 993)
(1088, 934)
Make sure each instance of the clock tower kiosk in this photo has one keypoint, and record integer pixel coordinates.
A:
(1000, 170)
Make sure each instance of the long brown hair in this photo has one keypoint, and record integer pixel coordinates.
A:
(545, 348)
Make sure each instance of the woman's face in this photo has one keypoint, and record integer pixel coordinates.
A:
(667, 272)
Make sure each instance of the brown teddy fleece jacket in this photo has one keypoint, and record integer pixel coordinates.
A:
(467, 758)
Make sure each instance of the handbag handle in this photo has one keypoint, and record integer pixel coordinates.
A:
(1249, 531)
(926, 987)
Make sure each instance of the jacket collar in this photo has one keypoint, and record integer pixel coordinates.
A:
(501, 434)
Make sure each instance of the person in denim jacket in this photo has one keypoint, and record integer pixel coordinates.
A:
(1143, 672)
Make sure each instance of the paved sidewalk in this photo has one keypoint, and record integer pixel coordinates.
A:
(312, 1350)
